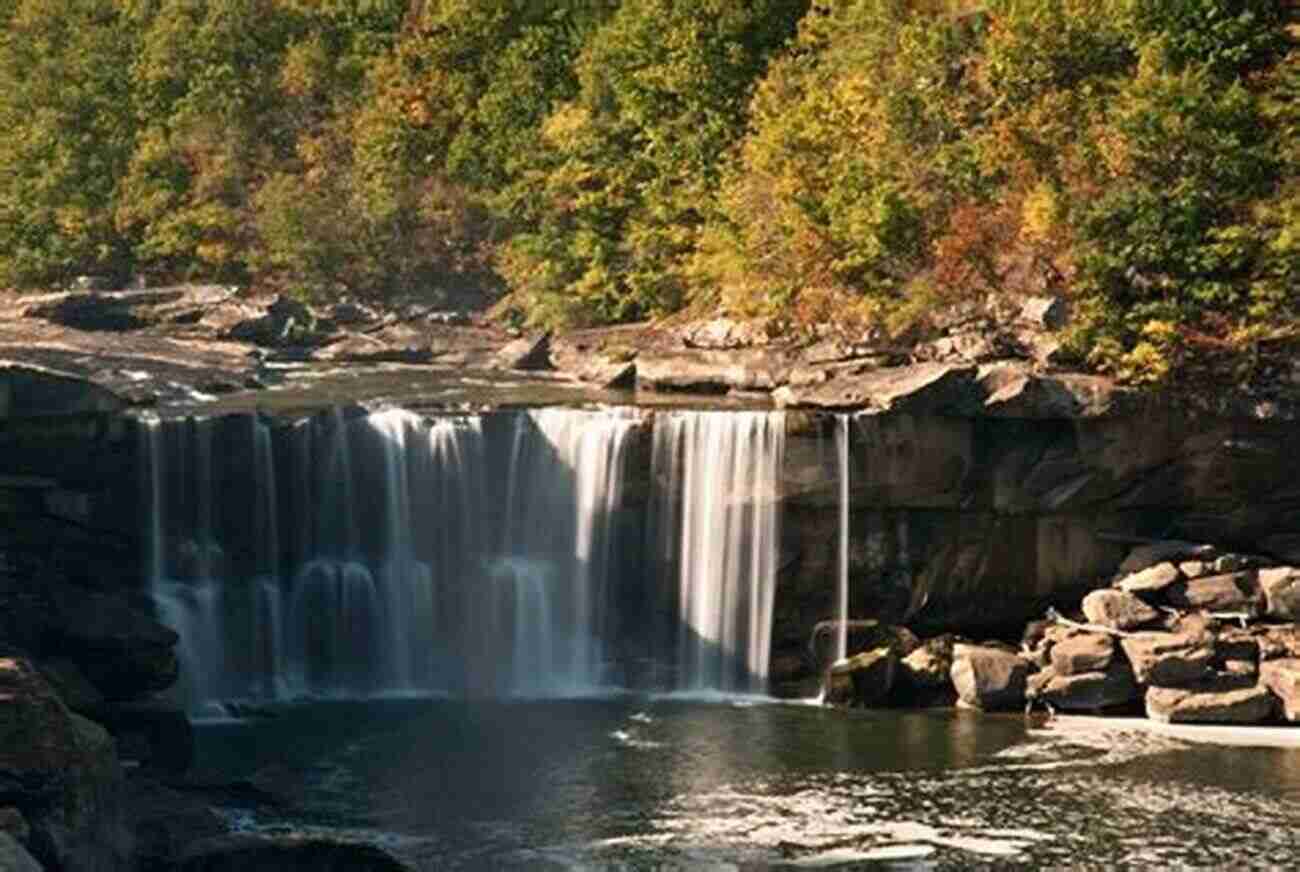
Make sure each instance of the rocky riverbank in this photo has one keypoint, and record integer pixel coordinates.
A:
(1185, 633)
(193, 344)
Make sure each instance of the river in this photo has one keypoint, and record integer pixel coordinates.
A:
(632, 782)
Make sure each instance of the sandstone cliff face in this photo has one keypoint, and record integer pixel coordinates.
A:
(977, 523)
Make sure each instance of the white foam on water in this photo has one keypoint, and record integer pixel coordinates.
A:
(716, 697)
(630, 739)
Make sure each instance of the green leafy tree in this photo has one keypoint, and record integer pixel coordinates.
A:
(66, 108)
(632, 161)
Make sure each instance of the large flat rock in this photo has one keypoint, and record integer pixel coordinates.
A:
(1221, 701)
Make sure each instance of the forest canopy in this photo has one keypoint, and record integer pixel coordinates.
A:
(855, 162)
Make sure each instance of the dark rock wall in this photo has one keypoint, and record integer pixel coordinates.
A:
(977, 524)
(69, 493)
(973, 524)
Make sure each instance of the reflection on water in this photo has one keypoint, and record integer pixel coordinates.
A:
(642, 783)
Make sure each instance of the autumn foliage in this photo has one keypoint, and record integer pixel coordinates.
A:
(854, 164)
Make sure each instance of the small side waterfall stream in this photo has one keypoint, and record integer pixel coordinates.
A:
(387, 553)
(842, 568)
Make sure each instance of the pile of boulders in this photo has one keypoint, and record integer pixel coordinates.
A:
(1186, 633)
(897, 668)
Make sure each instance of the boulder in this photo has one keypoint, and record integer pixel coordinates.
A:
(1222, 700)
(59, 770)
(1281, 587)
(14, 857)
(929, 667)
(988, 678)
(1168, 659)
(528, 353)
(292, 853)
(1195, 568)
(125, 653)
(1145, 556)
(1086, 652)
(864, 679)
(1233, 592)
(1085, 691)
(155, 732)
(1282, 677)
(1152, 580)
(1117, 609)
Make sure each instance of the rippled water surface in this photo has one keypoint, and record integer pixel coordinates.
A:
(639, 783)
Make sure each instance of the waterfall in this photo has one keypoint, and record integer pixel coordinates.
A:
(353, 555)
(366, 613)
(564, 486)
(717, 523)
(842, 588)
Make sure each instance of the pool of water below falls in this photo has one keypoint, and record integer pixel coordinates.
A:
(642, 783)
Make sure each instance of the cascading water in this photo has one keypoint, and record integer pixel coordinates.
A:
(717, 531)
(564, 486)
(842, 588)
(397, 571)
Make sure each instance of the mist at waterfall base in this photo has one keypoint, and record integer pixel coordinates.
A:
(484, 644)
